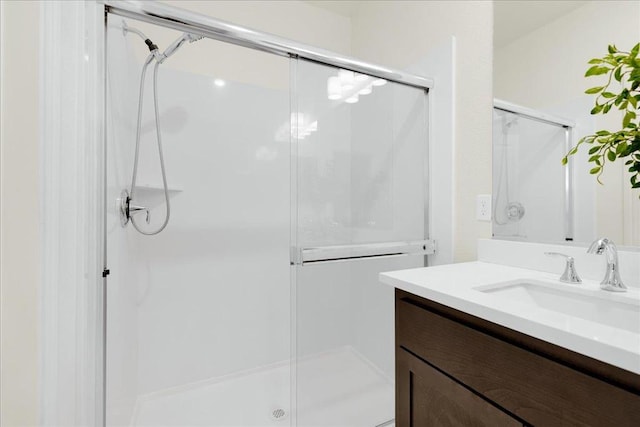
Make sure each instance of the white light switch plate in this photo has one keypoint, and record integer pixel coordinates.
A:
(483, 207)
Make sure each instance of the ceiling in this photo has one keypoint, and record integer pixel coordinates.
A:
(513, 19)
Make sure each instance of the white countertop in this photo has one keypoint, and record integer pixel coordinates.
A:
(453, 285)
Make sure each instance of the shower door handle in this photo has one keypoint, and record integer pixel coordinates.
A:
(338, 253)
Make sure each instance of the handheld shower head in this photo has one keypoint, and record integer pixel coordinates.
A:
(173, 47)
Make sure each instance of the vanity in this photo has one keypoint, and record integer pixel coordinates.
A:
(489, 344)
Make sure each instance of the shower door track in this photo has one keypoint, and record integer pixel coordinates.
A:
(187, 21)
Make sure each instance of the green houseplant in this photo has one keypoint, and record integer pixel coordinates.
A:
(621, 71)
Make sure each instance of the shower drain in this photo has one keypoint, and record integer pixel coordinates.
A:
(278, 414)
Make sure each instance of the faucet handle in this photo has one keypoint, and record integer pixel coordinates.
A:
(133, 209)
(570, 274)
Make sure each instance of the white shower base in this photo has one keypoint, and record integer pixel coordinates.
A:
(338, 388)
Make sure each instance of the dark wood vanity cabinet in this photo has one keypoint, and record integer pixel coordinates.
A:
(454, 369)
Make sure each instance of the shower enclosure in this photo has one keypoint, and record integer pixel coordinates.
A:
(532, 190)
(294, 180)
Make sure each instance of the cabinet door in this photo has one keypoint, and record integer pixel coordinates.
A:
(427, 397)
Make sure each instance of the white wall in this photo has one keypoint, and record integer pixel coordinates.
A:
(19, 220)
(544, 70)
(401, 34)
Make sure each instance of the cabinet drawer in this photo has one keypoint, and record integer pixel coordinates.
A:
(427, 397)
(534, 388)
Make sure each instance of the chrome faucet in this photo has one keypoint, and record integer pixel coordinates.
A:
(612, 281)
(570, 274)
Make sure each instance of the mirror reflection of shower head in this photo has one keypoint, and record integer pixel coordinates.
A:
(173, 47)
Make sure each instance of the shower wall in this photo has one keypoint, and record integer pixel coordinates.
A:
(216, 299)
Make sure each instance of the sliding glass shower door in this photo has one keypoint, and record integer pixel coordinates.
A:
(360, 195)
(198, 316)
(292, 186)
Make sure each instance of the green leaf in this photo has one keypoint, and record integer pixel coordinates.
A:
(565, 160)
(618, 74)
(596, 109)
(635, 50)
(603, 133)
(594, 150)
(611, 156)
(627, 118)
(593, 90)
(622, 147)
(608, 95)
(595, 170)
(612, 49)
(596, 61)
(597, 70)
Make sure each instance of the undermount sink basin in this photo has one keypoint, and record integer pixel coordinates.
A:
(620, 311)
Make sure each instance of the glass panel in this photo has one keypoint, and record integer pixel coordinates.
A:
(361, 167)
(528, 179)
(360, 158)
(198, 329)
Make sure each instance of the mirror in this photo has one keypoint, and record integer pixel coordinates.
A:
(541, 53)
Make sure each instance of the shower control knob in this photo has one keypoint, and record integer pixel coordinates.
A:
(127, 210)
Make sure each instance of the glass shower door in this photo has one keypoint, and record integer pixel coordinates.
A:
(360, 208)
(198, 316)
